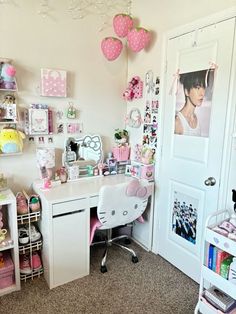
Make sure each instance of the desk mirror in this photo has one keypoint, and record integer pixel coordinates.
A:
(84, 151)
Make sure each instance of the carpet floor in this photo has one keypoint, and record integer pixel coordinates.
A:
(152, 286)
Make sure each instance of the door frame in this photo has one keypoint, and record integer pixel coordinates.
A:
(224, 198)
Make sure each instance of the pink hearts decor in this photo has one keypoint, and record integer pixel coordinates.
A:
(122, 23)
(138, 38)
(111, 48)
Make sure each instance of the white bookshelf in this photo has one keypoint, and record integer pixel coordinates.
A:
(208, 276)
(8, 203)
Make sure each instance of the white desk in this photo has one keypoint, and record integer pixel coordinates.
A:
(65, 226)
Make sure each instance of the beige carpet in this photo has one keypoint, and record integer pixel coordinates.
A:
(150, 286)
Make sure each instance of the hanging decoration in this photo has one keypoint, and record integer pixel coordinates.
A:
(134, 119)
(134, 89)
(122, 23)
(111, 48)
(138, 38)
(80, 9)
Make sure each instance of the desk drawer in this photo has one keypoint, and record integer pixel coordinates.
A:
(69, 207)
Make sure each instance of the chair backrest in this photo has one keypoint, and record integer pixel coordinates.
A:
(118, 206)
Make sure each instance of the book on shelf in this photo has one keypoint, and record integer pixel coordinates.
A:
(224, 267)
(215, 251)
(210, 256)
(221, 255)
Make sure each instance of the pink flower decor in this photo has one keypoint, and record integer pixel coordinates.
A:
(10, 71)
(138, 38)
(111, 47)
(122, 23)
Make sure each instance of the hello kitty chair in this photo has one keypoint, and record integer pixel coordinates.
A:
(119, 205)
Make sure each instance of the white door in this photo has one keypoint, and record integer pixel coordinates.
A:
(184, 199)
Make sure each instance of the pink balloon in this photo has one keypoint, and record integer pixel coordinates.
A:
(111, 48)
(138, 38)
(122, 23)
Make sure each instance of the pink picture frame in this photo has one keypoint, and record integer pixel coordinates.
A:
(53, 83)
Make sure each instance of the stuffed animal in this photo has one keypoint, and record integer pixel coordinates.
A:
(8, 73)
(11, 140)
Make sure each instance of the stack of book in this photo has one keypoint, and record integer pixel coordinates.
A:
(219, 261)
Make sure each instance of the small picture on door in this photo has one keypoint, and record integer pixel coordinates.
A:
(184, 216)
(193, 103)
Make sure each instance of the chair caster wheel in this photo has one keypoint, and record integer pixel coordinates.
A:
(134, 259)
(127, 241)
(103, 269)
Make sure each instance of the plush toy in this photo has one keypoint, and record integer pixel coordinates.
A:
(8, 73)
(11, 140)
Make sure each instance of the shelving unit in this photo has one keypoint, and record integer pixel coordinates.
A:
(29, 248)
(208, 276)
(10, 243)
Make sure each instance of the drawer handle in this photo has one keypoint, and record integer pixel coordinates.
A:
(69, 213)
(216, 240)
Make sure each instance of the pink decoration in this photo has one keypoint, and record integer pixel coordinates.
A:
(11, 71)
(138, 38)
(53, 83)
(134, 89)
(121, 153)
(122, 23)
(111, 48)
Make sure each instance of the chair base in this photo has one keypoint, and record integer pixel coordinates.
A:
(113, 241)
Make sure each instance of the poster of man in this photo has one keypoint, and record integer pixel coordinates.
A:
(194, 102)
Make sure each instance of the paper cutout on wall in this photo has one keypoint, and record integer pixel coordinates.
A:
(53, 83)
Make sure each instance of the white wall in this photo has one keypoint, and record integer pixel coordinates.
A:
(57, 41)
(95, 85)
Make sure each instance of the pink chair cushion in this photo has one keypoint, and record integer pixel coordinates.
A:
(95, 224)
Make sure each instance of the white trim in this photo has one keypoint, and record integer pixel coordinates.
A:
(224, 190)
(201, 23)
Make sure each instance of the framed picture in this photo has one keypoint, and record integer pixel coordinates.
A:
(53, 83)
(38, 121)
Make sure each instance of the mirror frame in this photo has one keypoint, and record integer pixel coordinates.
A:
(92, 141)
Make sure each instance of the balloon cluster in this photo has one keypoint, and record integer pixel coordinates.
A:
(123, 25)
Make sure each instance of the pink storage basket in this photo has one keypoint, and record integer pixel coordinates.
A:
(7, 272)
(121, 153)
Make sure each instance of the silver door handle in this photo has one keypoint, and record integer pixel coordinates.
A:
(210, 181)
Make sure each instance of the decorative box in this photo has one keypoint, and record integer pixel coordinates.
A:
(6, 272)
(121, 153)
(147, 172)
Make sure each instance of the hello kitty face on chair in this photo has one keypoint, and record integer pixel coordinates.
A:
(122, 203)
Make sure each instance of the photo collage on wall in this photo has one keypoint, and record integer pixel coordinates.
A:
(184, 216)
(150, 124)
